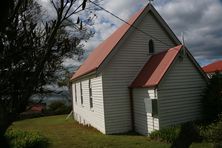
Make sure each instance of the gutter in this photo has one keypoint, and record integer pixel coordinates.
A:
(91, 72)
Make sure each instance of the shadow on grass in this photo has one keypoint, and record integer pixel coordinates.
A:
(189, 133)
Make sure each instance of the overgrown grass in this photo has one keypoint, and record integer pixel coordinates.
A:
(69, 134)
(212, 132)
(26, 139)
(167, 134)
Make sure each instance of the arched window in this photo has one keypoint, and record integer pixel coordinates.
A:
(151, 46)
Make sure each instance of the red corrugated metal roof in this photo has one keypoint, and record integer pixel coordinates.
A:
(155, 68)
(99, 54)
(216, 66)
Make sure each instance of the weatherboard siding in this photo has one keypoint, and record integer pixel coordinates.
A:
(152, 123)
(83, 113)
(143, 121)
(131, 55)
(180, 94)
(140, 117)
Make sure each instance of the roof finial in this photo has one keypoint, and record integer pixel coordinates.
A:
(182, 38)
(183, 43)
(150, 1)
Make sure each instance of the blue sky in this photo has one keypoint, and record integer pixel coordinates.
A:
(200, 22)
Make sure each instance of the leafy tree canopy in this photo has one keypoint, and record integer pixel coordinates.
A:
(212, 102)
(32, 48)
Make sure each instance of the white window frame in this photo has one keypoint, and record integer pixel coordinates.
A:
(75, 93)
(90, 95)
(149, 106)
(81, 94)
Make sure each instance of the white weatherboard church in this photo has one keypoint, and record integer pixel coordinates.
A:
(139, 79)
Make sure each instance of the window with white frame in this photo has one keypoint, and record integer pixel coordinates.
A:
(90, 94)
(154, 108)
(81, 94)
(151, 106)
(75, 93)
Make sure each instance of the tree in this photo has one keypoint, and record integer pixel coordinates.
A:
(32, 50)
(212, 100)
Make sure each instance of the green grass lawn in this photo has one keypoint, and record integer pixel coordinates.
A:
(69, 134)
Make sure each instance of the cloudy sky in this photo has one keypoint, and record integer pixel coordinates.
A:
(199, 20)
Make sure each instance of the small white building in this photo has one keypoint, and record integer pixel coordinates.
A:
(213, 68)
(140, 79)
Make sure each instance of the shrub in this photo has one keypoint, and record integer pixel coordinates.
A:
(26, 139)
(167, 134)
(212, 132)
(189, 133)
(59, 107)
(212, 101)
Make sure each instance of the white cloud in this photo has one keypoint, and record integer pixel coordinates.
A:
(106, 24)
(200, 21)
(71, 62)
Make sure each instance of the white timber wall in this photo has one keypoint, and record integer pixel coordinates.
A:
(180, 94)
(152, 122)
(124, 66)
(82, 112)
(144, 122)
(140, 116)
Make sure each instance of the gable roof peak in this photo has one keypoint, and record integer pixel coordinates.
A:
(100, 54)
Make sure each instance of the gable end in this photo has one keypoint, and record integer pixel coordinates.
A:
(100, 56)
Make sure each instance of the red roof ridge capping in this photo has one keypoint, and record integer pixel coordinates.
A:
(155, 68)
(99, 54)
(215, 66)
